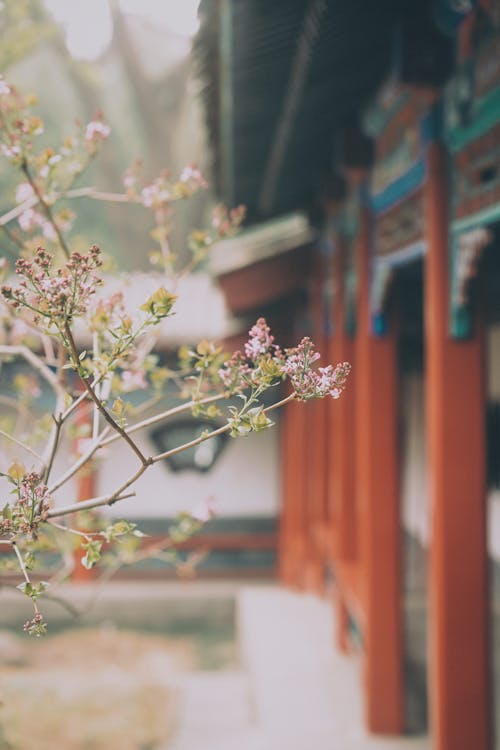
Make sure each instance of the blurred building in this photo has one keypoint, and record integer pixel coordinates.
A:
(382, 121)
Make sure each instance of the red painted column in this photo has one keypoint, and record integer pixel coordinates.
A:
(377, 496)
(285, 517)
(341, 463)
(314, 437)
(315, 443)
(456, 445)
(294, 533)
(86, 483)
(342, 415)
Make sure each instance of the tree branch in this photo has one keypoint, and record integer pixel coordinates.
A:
(96, 502)
(21, 445)
(163, 415)
(90, 390)
(117, 495)
(55, 443)
(24, 571)
(214, 433)
(80, 462)
(46, 209)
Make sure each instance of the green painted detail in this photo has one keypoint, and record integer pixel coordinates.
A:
(486, 115)
(460, 315)
(350, 289)
(350, 227)
(482, 218)
(461, 325)
(378, 116)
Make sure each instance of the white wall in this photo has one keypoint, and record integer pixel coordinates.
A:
(244, 480)
(415, 510)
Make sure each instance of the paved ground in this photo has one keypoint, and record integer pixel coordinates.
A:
(293, 691)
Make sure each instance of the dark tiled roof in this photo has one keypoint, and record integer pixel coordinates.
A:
(291, 74)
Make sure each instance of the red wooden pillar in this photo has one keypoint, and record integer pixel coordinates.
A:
(456, 444)
(341, 477)
(313, 439)
(284, 552)
(315, 444)
(295, 540)
(86, 486)
(378, 503)
(342, 459)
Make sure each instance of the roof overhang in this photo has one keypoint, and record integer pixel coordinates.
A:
(263, 264)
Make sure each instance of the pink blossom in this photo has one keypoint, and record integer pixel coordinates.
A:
(309, 383)
(29, 220)
(154, 195)
(10, 151)
(4, 88)
(193, 176)
(235, 373)
(48, 231)
(129, 180)
(24, 192)
(133, 380)
(97, 130)
(60, 294)
(260, 339)
(204, 510)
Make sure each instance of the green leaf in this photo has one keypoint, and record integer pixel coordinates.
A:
(120, 529)
(29, 560)
(33, 590)
(93, 553)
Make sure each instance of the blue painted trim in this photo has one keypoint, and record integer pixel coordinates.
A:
(381, 274)
(431, 127)
(400, 188)
(379, 324)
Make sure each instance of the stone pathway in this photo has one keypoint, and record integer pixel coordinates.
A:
(216, 713)
(293, 693)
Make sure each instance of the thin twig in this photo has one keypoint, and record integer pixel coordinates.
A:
(163, 415)
(118, 495)
(96, 502)
(98, 390)
(18, 210)
(192, 443)
(69, 530)
(51, 379)
(214, 433)
(54, 444)
(100, 442)
(85, 192)
(107, 416)
(46, 209)
(76, 403)
(80, 462)
(22, 445)
(23, 570)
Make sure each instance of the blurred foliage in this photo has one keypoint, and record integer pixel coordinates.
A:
(151, 118)
(23, 25)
